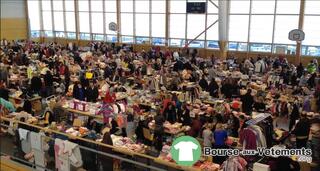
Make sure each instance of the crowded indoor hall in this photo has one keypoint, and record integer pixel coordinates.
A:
(158, 85)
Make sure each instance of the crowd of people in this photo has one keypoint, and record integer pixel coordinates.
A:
(84, 72)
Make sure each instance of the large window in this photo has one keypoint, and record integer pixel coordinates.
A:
(70, 21)
(195, 25)
(177, 26)
(158, 22)
(47, 20)
(283, 25)
(58, 18)
(142, 20)
(142, 25)
(158, 25)
(127, 24)
(253, 25)
(264, 25)
(34, 15)
(84, 24)
(97, 23)
(261, 28)
(212, 34)
(312, 29)
(70, 18)
(238, 28)
(58, 21)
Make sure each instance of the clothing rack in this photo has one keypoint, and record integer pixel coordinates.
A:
(98, 152)
(116, 149)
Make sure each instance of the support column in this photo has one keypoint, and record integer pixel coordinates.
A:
(167, 23)
(118, 21)
(41, 39)
(223, 27)
(27, 20)
(76, 12)
(301, 20)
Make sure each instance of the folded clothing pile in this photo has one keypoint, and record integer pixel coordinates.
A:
(165, 153)
(75, 132)
(208, 166)
(127, 143)
(172, 128)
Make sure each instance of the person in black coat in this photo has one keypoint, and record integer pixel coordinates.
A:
(226, 89)
(311, 80)
(158, 131)
(247, 102)
(48, 79)
(27, 107)
(36, 84)
(170, 113)
(295, 114)
(301, 131)
(48, 82)
(203, 84)
(4, 92)
(92, 93)
(259, 105)
(185, 117)
(294, 80)
(114, 127)
(67, 78)
(300, 70)
(178, 66)
(213, 88)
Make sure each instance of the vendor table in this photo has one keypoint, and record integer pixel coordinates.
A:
(35, 102)
(172, 134)
(175, 166)
(84, 113)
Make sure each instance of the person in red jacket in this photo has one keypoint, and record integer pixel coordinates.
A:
(109, 98)
(195, 127)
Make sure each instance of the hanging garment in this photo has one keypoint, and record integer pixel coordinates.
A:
(39, 158)
(248, 139)
(120, 121)
(73, 152)
(23, 134)
(61, 159)
(36, 140)
(234, 164)
(257, 67)
(25, 140)
(115, 109)
(261, 139)
(107, 111)
(122, 107)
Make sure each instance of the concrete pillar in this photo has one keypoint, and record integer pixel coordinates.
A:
(223, 27)
(301, 21)
(76, 9)
(167, 23)
(118, 20)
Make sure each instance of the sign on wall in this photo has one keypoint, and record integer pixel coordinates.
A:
(196, 7)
